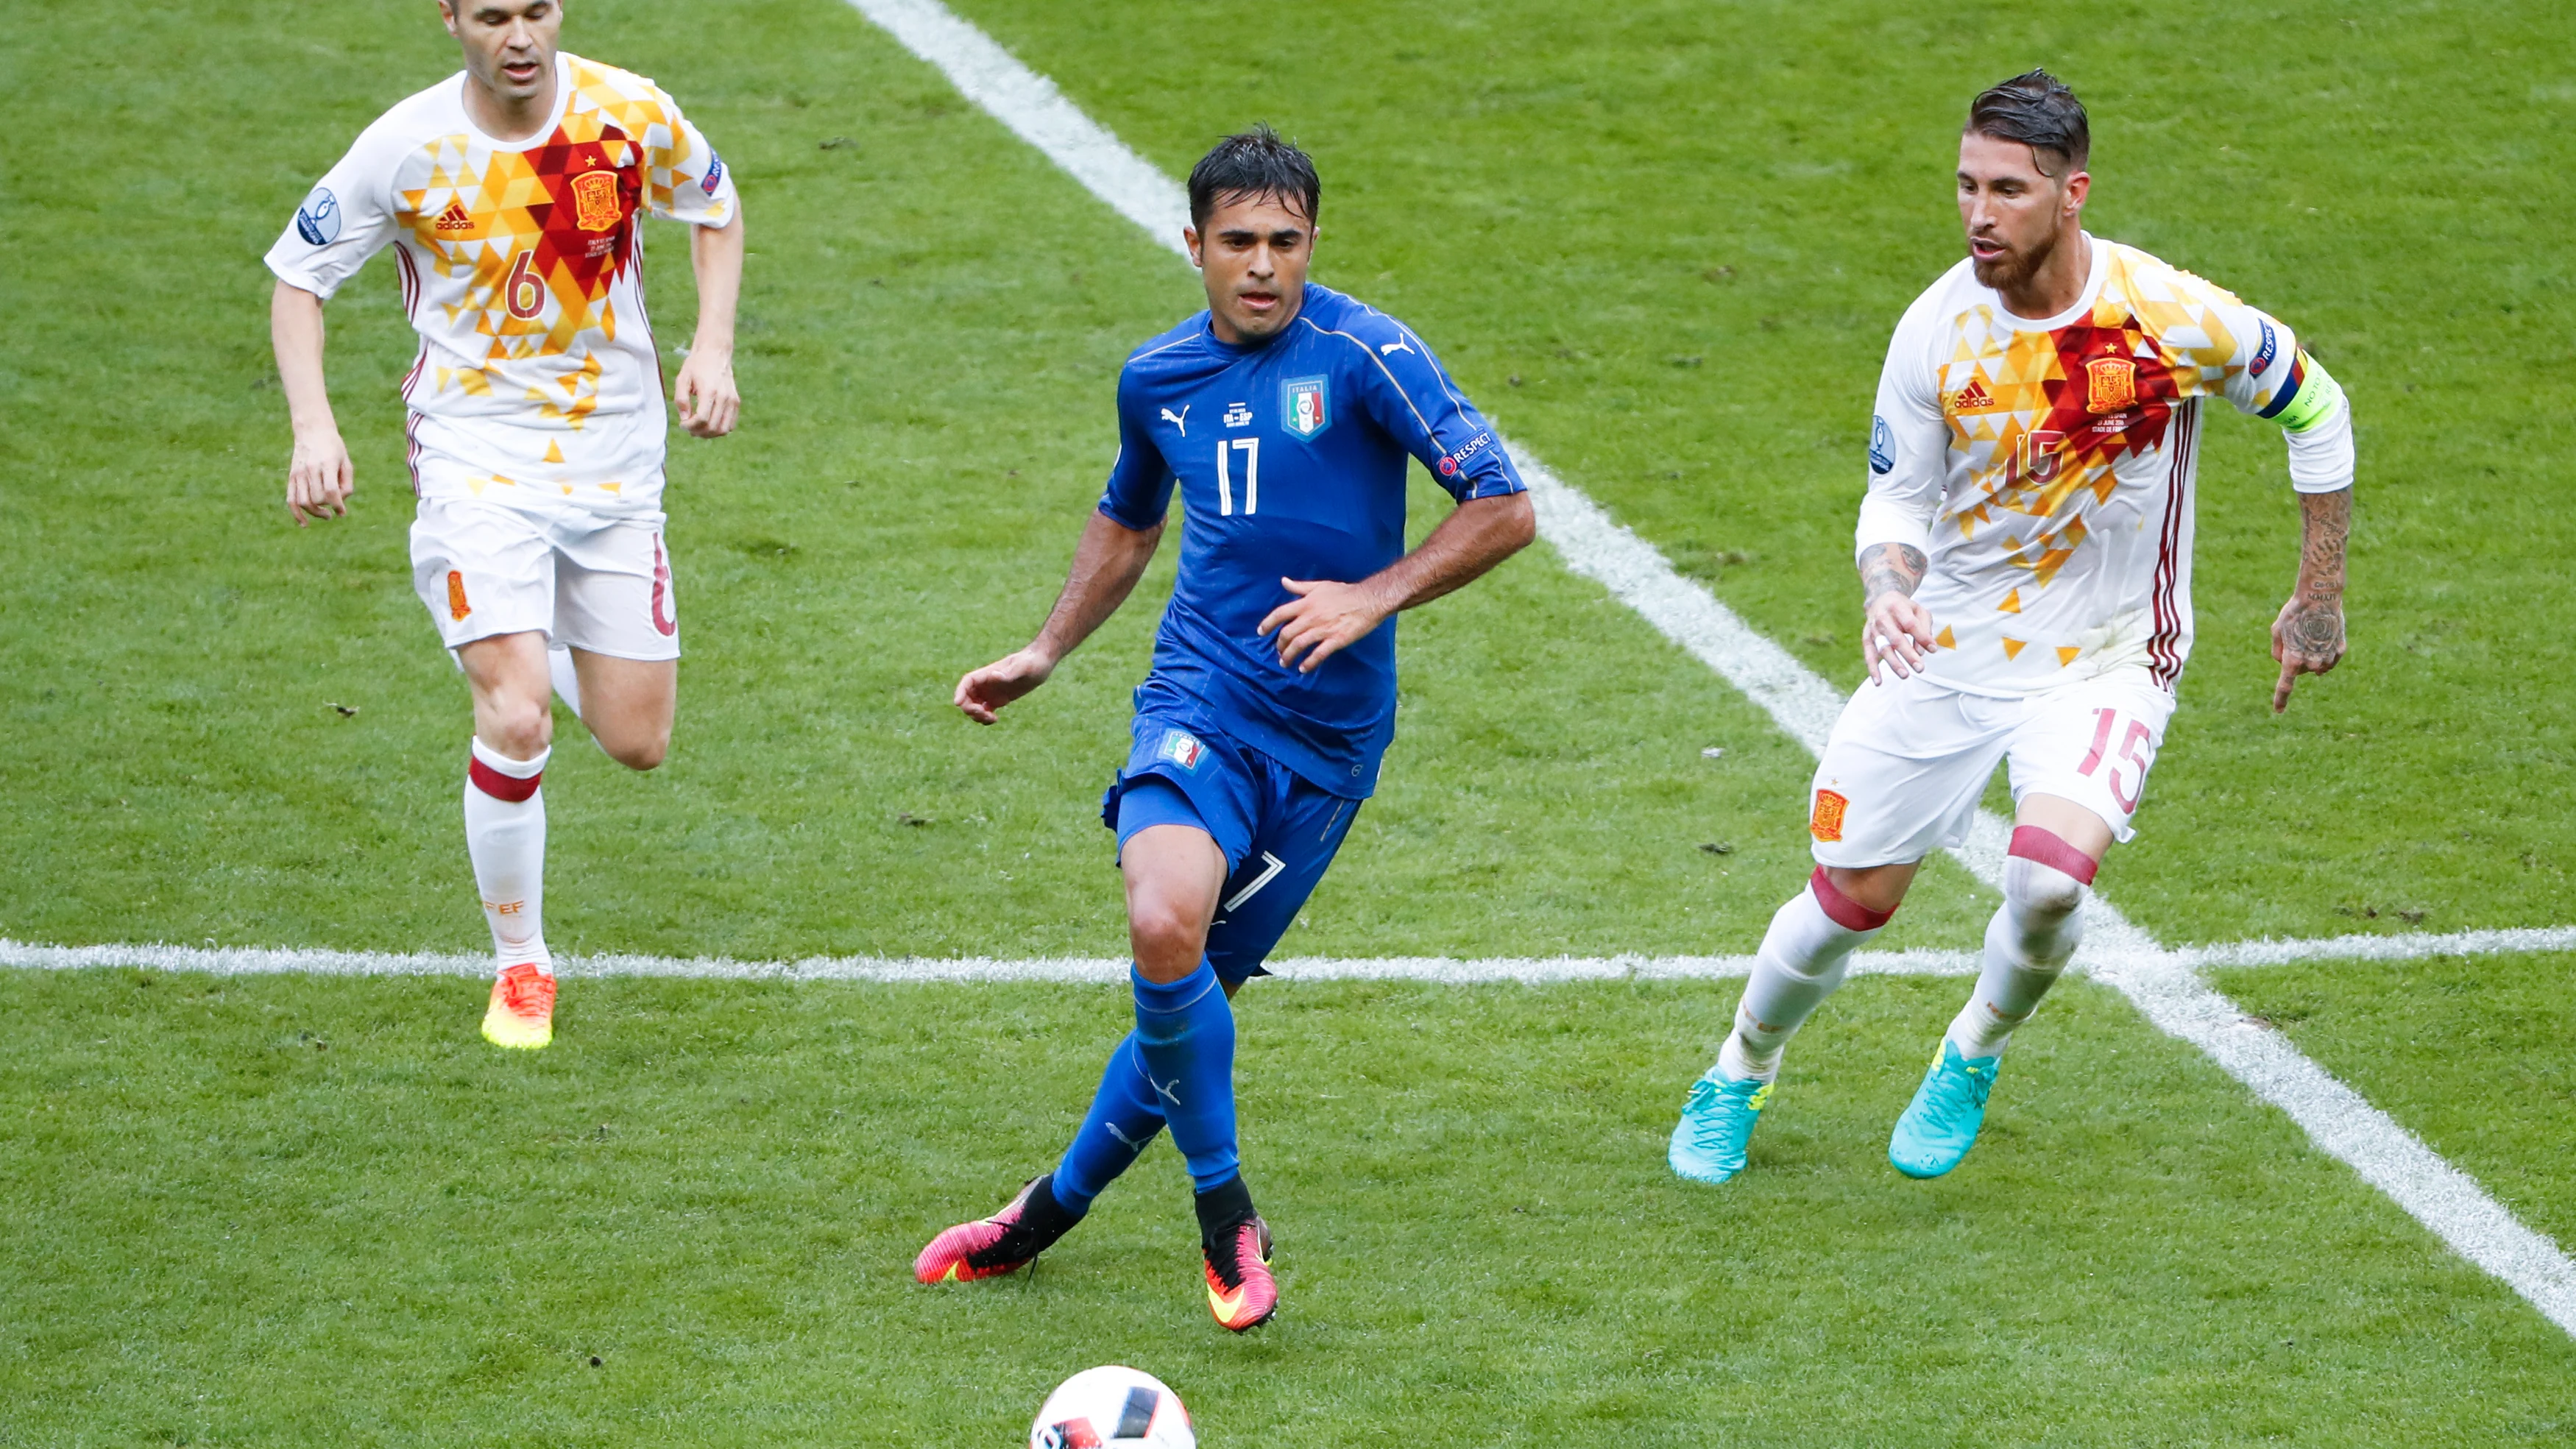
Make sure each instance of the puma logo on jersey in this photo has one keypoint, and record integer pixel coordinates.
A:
(455, 218)
(1396, 346)
(1180, 420)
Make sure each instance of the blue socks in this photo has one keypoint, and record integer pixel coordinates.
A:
(1185, 1038)
(1183, 1041)
(1125, 1115)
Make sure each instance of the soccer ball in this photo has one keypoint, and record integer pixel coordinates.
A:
(1106, 1407)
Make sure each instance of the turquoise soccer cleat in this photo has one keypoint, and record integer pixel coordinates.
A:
(1941, 1123)
(1708, 1143)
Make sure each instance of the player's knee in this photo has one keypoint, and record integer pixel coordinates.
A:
(519, 728)
(644, 752)
(1165, 935)
(2038, 889)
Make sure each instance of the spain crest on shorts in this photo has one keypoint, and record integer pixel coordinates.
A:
(1304, 408)
(1826, 824)
(594, 200)
(2110, 384)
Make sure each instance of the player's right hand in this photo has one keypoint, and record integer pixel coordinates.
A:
(1896, 632)
(983, 692)
(319, 477)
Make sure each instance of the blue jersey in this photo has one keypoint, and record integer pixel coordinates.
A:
(1289, 456)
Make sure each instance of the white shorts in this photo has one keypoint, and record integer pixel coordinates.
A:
(600, 583)
(1909, 760)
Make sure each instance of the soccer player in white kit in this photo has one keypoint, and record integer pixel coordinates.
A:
(513, 195)
(2025, 550)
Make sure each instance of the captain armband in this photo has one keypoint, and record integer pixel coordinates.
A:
(2308, 397)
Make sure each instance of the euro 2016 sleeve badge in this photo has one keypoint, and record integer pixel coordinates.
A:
(1305, 408)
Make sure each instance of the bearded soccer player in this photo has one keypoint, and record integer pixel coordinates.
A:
(513, 195)
(1283, 415)
(2025, 550)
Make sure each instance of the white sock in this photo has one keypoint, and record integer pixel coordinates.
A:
(1802, 961)
(567, 680)
(505, 833)
(2028, 943)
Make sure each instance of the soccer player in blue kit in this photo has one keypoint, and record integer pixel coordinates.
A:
(1283, 414)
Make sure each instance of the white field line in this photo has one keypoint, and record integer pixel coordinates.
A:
(1448, 970)
(1529, 970)
(2162, 983)
(2381, 948)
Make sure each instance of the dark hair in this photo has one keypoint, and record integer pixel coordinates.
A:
(2036, 109)
(1254, 163)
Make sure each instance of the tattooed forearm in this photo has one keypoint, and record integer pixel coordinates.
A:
(1896, 566)
(2326, 522)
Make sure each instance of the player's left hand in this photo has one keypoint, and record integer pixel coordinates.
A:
(1324, 619)
(2308, 639)
(704, 391)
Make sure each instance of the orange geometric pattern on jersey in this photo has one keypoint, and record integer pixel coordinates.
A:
(542, 235)
(546, 231)
(2044, 418)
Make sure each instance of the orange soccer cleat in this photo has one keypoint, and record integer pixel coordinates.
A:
(1241, 1292)
(1003, 1243)
(522, 1013)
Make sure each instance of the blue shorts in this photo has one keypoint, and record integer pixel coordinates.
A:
(1278, 831)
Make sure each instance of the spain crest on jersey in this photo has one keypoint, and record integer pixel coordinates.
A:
(1304, 408)
(2110, 384)
(594, 200)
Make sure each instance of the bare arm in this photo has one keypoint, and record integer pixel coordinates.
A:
(319, 478)
(1326, 617)
(1106, 565)
(1895, 630)
(2308, 636)
(705, 392)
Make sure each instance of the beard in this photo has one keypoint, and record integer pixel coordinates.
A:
(2014, 267)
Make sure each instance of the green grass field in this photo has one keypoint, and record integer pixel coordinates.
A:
(1662, 246)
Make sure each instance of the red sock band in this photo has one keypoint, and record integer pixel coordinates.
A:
(499, 786)
(1845, 912)
(2050, 849)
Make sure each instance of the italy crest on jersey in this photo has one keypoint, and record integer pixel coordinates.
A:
(1303, 406)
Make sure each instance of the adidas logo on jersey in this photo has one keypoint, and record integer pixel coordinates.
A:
(1971, 397)
(455, 218)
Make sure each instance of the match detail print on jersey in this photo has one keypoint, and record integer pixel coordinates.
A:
(520, 268)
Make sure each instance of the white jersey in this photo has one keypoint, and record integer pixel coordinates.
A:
(2046, 467)
(521, 266)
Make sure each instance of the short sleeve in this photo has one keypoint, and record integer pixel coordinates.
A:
(685, 179)
(1909, 442)
(344, 220)
(1140, 482)
(1410, 396)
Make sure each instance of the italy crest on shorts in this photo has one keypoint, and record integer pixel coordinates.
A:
(1304, 407)
(1182, 749)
